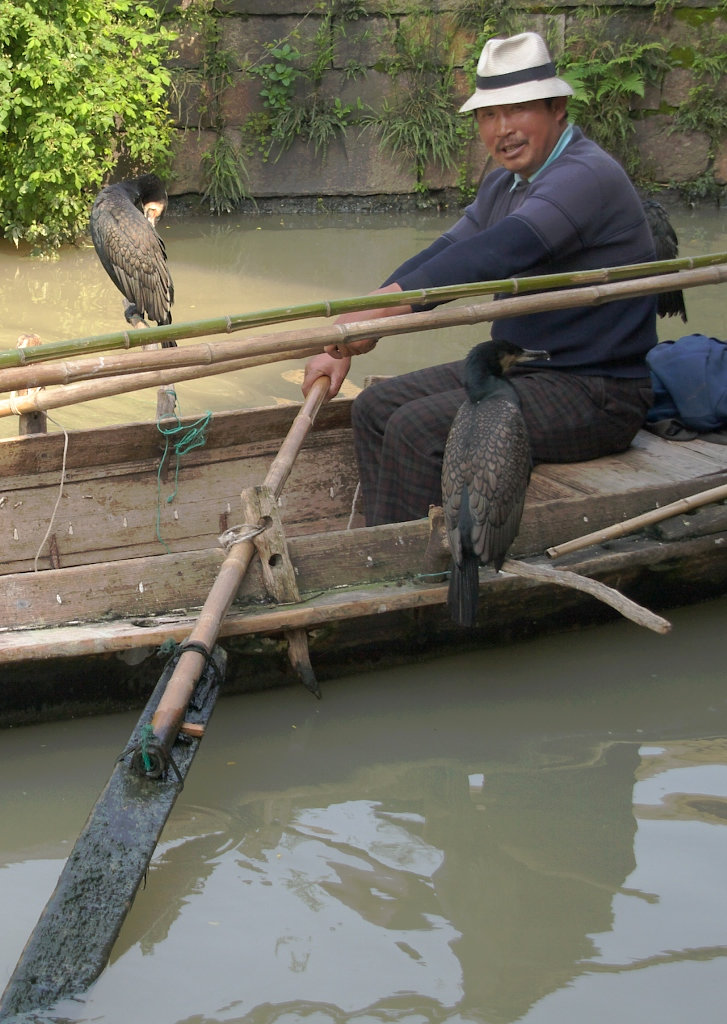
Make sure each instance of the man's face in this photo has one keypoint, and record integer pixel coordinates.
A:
(521, 136)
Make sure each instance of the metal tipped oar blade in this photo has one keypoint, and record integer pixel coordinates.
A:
(73, 938)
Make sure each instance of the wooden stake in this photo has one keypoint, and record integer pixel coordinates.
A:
(31, 422)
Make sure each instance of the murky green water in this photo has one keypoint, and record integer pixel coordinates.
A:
(530, 834)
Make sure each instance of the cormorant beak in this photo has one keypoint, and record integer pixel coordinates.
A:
(153, 211)
(527, 355)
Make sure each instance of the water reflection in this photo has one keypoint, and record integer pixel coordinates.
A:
(533, 833)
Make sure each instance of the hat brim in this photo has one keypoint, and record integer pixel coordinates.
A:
(522, 93)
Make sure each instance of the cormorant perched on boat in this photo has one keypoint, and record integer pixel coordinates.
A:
(666, 246)
(123, 231)
(485, 472)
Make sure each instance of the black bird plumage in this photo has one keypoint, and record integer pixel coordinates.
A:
(666, 246)
(122, 222)
(485, 472)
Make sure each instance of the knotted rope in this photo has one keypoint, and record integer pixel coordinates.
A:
(181, 439)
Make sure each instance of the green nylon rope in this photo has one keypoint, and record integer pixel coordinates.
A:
(147, 735)
(181, 439)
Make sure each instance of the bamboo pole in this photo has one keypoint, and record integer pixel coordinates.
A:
(655, 515)
(172, 706)
(230, 323)
(225, 357)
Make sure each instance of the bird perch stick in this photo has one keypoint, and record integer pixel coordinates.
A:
(655, 515)
(333, 307)
(624, 605)
(228, 355)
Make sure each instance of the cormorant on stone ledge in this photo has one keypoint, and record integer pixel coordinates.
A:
(485, 472)
(123, 231)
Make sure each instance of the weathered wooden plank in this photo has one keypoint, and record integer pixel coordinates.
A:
(114, 445)
(110, 510)
(164, 584)
(703, 563)
(115, 515)
(153, 583)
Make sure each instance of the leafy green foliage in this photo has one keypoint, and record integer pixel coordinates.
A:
(295, 107)
(704, 109)
(607, 72)
(421, 121)
(81, 82)
(279, 74)
(226, 177)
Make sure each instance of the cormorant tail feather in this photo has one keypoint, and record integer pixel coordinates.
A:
(463, 593)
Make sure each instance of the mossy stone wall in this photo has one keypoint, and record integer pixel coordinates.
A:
(207, 104)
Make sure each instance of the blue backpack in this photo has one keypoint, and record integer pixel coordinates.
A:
(689, 377)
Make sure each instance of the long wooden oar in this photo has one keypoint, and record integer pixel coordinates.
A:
(170, 712)
(227, 356)
(72, 941)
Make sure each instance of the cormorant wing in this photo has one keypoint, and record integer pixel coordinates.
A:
(133, 254)
(487, 465)
(666, 246)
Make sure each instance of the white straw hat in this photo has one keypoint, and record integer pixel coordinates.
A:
(515, 70)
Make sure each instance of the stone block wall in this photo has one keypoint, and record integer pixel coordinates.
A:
(207, 105)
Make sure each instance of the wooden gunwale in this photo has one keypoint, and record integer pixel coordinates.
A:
(619, 567)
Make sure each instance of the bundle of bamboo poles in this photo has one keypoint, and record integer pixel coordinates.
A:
(82, 379)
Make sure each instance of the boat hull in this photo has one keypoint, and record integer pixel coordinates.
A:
(126, 571)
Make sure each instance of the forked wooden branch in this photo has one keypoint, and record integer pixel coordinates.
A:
(564, 578)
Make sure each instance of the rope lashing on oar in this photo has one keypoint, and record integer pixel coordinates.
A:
(182, 439)
(173, 652)
(148, 758)
(238, 534)
(148, 755)
(146, 736)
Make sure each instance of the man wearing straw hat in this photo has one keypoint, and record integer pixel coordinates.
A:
(557, 203)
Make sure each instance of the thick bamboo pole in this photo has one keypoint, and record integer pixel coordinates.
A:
(333, 307)
(227, 356)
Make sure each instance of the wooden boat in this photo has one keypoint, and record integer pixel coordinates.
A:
(110, 540)
(99, 575)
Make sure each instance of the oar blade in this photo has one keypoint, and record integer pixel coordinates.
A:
(72, 941)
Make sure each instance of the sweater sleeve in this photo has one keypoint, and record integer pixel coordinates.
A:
(509, 247)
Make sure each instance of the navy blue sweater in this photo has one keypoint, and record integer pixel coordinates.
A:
(581, 212)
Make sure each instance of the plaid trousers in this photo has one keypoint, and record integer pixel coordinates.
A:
(401, 425)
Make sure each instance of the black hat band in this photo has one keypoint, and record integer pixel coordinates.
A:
(517, 77)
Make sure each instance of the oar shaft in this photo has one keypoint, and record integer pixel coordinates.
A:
(655, 515)
(173, 703)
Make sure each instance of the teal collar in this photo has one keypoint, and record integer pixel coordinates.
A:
(555, 153)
